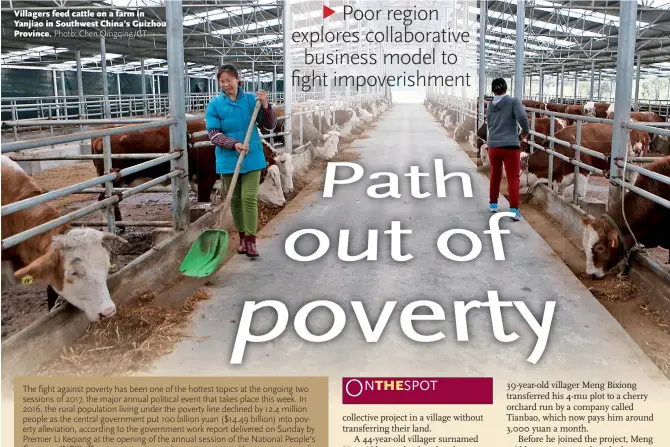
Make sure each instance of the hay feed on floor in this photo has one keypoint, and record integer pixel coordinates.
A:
(612, 288)
(131, 340)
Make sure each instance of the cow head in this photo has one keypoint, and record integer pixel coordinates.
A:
(610, 112)
(330, 146)
(461, 133)
(590, 108)
(602, 246)
(342, 117)
(270, 191)
(76, 266)
(660, 144)
(286, 169)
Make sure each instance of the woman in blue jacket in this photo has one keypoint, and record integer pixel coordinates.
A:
(227, 119)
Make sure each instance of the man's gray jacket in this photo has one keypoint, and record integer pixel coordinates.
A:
(502, 115)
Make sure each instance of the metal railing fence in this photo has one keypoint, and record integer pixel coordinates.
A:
(464, 109)
(325, 108)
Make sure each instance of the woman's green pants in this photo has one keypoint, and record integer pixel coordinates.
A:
(244, 203)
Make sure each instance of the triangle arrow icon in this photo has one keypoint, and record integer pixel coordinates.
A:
(327, 12)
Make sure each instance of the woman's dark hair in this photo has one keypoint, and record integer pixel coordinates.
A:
(499, 86)
(230, 68)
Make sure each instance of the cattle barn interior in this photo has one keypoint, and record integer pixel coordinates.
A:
(573, 62)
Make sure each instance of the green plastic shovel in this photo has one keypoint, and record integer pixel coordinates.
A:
(210, 249)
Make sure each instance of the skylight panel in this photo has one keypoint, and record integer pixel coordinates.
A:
(215, 14)
(331, 25)
(134, 3)
(258, 39)
(249, 27)
(539, 24)
(661, 4)
(97, 58)
(218, 14)
(31, 53)
(577, 13)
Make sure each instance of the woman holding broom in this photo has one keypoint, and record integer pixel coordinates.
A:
(227, 120)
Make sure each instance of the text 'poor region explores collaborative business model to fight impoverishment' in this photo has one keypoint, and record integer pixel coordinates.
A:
(435, 53)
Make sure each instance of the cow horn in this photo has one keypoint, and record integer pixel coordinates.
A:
(107, 236)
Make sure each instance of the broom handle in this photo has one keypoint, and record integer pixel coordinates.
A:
(236, 174)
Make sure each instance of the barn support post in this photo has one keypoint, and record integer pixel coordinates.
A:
(145, 104)
(80, 92)
(464, 48)
(64, 90)
(348, 70)
(274, 82)
(518, 59)
(530, 86)
(288, 88)
(562, 82)
(357, 99)
(253, 77)
(541, 93)
(175, 57)
(106, 141)
(327, 70)
(576, 86)
(558, 85)
(53, 75)
(160, 97)
(118, 92)
(153, 93)
(483, 19)
(600, 78)
(624, 75)
(637, 82)
(454, 25)
(187, 88)
(593, 80)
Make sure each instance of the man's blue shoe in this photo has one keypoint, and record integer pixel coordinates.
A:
(517, 215)
(493, 207)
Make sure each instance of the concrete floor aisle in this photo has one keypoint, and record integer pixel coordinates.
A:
(585, 342)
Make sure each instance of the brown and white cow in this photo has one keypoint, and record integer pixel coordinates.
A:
(533, 104)
(309, 132)
(596, 109)
(284, 162)
(605, 245)
(573, 109)
(610, 111)
(646, 117)
(554, 107)
(73, 263)
(595, 136)
(543, 126)
(201, 161)
(464, 129)
(320, 121)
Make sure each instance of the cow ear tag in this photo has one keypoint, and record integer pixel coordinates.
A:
(28, 279)
(112, 266)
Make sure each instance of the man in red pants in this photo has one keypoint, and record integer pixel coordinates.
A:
(503, 142)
